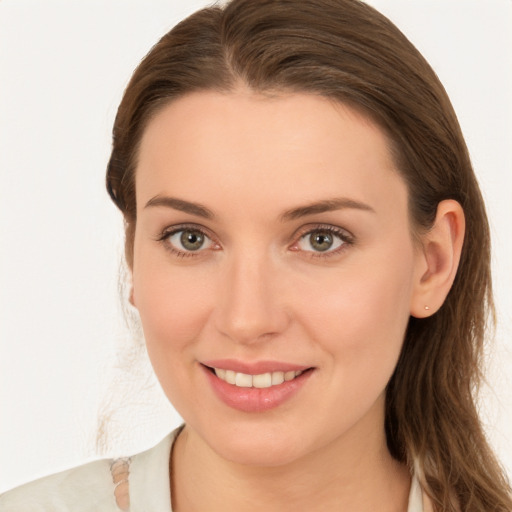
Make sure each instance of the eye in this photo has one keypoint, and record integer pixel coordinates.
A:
(323, 240)
(187, 240)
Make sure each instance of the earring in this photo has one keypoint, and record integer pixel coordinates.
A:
(427, 308)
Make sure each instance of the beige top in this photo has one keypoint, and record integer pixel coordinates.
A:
(102, 486)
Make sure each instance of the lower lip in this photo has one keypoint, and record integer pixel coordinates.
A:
(255, 399)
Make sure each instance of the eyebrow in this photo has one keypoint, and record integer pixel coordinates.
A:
(180, 205)
(328, 205)
(199, 210)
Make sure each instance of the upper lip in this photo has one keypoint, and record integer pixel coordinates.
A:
(254, 367)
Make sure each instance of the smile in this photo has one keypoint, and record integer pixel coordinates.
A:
(263, 380)
(255, 387)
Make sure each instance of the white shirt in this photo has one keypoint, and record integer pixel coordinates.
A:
(90, 487)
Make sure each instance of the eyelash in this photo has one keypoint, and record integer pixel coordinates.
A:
(346, 238)
(168, 232)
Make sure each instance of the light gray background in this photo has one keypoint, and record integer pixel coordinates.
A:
(65, 353)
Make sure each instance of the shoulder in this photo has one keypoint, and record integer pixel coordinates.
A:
(97, 485)
(83, 488)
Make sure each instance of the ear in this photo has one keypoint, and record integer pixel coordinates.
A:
(130, 288)
(130, 297)
(438, 259)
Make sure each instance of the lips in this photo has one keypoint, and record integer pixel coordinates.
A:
(255, 387)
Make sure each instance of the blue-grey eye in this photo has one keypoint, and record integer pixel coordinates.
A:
(189, 240)
(320, 240)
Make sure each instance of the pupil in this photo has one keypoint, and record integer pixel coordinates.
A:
(321, 241)
(192, 240)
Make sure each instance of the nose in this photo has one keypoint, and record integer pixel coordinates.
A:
(249, 307)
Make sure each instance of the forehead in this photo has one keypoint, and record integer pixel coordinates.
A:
(287, 148)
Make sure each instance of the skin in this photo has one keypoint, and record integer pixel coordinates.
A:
(258, 290)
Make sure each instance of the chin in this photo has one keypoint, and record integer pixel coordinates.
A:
(257, 443)
(259, 453)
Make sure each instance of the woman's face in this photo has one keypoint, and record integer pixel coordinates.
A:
(272, 237)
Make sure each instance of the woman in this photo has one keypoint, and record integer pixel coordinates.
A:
(320, 340)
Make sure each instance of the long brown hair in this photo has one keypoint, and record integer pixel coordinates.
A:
(347, 51)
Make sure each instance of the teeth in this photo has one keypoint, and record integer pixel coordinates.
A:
(230, 376)
(277, 378)
(263, 380)
(221, 373)
(289, 375)
(243, 380)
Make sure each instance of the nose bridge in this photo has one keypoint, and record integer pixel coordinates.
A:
(249, 308)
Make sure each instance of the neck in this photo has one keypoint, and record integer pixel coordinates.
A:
(354, 472)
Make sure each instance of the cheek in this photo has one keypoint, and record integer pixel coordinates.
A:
(171, 303)
(360, 314)
(173, 312)
(359, 324)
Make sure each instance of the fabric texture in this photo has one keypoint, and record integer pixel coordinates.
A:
(92, 488)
